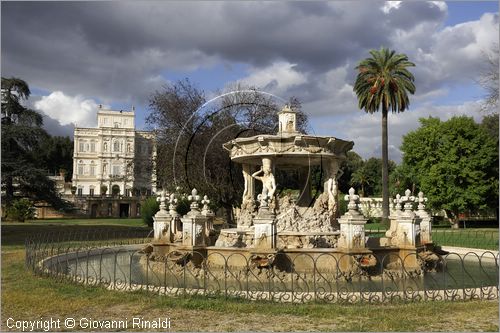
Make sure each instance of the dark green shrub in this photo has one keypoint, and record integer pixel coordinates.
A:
(183, 206)
(148, 209)
(21, 210)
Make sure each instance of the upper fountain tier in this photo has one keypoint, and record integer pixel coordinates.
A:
(288, 147)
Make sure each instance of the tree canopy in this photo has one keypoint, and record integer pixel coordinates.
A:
(22, 135)
(455, 163)
(190, 136)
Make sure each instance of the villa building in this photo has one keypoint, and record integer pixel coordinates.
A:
(113, 165)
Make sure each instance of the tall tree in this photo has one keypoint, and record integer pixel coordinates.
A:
(191, 134)
(455, 163)
(384, 81)
(368, 177)
(22, 134)
(352, 163)
(56, 155)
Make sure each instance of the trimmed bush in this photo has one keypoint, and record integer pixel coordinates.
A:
(21, 210)
(148, 209)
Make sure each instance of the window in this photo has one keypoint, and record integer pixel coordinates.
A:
(92, 170)
(116, 146)
(117, 125)
(92, 146)
(127, 192)
(91, 191)
(81, 146)
(80, 191)
(116, 170)
(80, 169)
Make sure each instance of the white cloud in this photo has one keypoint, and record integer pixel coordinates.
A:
(388, 5)
(365, 129)
(69, 110)
(276, 78)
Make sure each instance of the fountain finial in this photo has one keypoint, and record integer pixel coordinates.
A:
(161, 199)
(287, 120)
(421, 200)
(205, 202)
(194, 198)
(353, 200)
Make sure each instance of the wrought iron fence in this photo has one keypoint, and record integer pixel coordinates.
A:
(124, 263)
(470, 238)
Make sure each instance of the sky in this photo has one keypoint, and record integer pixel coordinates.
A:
(77, 55)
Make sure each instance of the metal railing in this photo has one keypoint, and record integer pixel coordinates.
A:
(122, 263)
(468, 238)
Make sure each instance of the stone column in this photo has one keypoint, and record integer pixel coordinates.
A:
(305, 186)
(194, 224)
(209, 214)
(161, 219)
(352, 226)
(426, 220)
(175, 231)
(249, 192)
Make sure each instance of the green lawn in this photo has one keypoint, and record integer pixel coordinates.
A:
(479, 238)
(29, 297)
(124, 222)
(15, 233)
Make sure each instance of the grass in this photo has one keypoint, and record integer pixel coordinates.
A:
(29, 297)
(15, 233)
(478, 238)
(483, 238)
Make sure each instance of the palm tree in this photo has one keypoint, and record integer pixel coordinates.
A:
(384, 81)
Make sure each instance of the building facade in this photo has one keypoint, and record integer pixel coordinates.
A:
(113, 160)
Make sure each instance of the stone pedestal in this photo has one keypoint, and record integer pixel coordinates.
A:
(265, 232)
(408, 228)
(426, 229)
(426, 220)
(352, 227)
(194, 230)
(161, 225)
(194, 224)
(162, 218)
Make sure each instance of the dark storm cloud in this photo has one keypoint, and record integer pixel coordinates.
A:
(117, 50)
(411, 13)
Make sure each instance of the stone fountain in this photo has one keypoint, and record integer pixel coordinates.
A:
(308, 225)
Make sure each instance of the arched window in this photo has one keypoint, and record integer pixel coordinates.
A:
(116, 146)
(80, 167)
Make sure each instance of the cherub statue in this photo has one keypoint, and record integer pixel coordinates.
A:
(268, 182)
